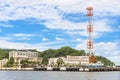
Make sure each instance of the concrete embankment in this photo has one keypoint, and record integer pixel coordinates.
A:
(78, 69)
(16, 69)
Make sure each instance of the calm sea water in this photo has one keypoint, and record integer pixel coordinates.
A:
(49, 75)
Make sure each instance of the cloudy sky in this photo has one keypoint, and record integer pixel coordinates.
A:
(44, 24)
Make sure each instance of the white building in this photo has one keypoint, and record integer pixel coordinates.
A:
(52, 61)
(99, 63)
(19, 55)
(80, 60)
(71, 59)
(84, 60)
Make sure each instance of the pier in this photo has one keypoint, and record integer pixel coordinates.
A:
(79, 69)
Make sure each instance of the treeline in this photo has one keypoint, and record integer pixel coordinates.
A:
(62, 52)
(4, 53)
(106, 61)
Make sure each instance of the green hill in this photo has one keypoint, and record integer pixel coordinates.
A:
(4, 53)
(62, 52)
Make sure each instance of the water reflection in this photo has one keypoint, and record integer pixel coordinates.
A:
(90, 76)
(47, 75)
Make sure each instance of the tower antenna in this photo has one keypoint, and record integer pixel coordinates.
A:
(90, 31)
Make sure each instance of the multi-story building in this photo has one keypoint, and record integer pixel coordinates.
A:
(52, 61)
(84, 60)
(71, 59)
(19, 55)
(80, 60)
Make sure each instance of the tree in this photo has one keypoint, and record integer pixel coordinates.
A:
(45, 61)
(24, 63)
(105, 61)
(62, 52)
(52, 53)
(48, 53)
(10, 63)
(59, 62)
(4, 53)
(65, 51)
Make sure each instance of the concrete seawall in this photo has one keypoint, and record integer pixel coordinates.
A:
(78, 69)
(16, 69)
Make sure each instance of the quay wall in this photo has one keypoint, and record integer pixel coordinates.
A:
(79, 69)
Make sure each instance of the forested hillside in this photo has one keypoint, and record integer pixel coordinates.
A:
(4, 53)
(62, 52)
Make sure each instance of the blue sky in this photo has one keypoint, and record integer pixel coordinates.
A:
(44, 24)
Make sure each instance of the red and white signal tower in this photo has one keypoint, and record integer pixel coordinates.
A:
(90, 31)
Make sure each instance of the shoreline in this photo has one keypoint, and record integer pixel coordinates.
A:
(65, 69)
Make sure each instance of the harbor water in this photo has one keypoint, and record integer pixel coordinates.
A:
(58, 75)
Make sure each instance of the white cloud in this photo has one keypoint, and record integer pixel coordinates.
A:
(5, 38)
(45, 10)
(99, 27)
(65, 25)
(59, 39)
(62, 2)
(24, 38)
(5, 25)
(18, 36)
(116, 59)
(82, 46)
(108, 49)
(104, 7)
(44, 39)
(83, 33)
(13, 38)
(13, 45)
(23, 35)
(39, 46)
(102, 26)
(27, 9)
(79, 40)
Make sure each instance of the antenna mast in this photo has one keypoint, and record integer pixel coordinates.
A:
(90, 31)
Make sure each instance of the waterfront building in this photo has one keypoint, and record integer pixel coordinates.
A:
(84, 60)
(77, 60)
(52, 61)
(98, 63)
(19, 55)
